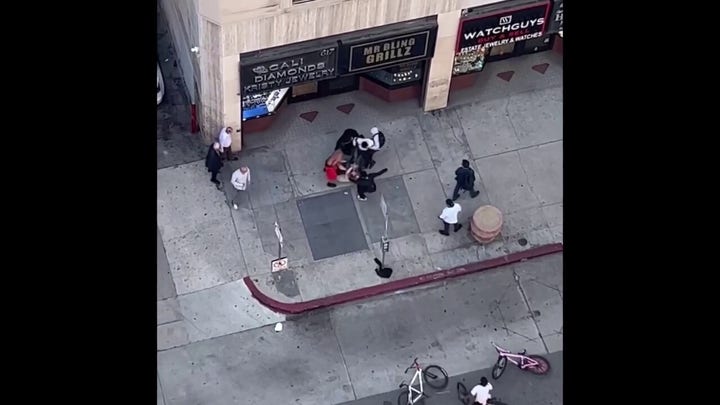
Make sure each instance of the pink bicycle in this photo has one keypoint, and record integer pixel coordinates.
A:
(532, 363)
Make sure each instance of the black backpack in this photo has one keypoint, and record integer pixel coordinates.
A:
(379, 139)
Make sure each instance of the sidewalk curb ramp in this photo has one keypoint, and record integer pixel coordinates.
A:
(290, 308)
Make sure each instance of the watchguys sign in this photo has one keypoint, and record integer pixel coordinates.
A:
(502, 28)
(307, 67)
(388, 51)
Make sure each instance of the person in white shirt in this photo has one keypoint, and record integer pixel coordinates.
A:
(240, 180)
(449, 216)
(481, 392)
(225, 140)
(378, 139)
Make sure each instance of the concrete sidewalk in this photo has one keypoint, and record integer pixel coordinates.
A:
(511, 132)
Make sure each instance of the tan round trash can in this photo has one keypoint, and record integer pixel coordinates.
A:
(486, 223)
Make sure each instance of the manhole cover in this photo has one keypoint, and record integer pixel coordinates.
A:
(522, 241)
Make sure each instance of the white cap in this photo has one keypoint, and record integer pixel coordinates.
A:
(216, 145)
(374, 130)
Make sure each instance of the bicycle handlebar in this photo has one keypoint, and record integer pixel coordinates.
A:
(414, 363)
(498, 348)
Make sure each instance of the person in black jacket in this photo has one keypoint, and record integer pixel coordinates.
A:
(213, 162)
(345, 142)
(465, 178)
(366, 183)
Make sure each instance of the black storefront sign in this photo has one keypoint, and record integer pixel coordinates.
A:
(502, 28)
(388, 51)
(284, 72)
(556, 21)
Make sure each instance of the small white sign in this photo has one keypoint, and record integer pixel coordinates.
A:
(279, 264)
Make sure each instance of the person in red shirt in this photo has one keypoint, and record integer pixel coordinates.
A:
(330, 174)
(331, 167)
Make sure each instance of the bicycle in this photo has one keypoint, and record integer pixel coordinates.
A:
(532, 363)
(437, 378)
(467, 398)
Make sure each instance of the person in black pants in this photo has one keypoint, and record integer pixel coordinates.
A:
(366, 183)
(213, 162)
(465, 178)
(364, 153)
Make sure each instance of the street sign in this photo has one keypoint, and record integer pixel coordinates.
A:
(278, 233)
(279, 264)
(385, 244)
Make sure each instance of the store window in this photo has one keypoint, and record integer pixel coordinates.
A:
(399, 75)
(500, 50)
(538, 44)
(262, 104)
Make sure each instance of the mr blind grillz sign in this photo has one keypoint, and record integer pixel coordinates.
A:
(502, 28)
(308, 67)
(388, 51)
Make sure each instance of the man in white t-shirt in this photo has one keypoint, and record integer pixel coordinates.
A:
(225, 140)
(481, 392)
(240, 180)
(449, 216)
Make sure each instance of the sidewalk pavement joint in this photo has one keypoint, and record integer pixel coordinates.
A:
(530, 310)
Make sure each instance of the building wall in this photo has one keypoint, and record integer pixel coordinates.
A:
(318, 19)
(182, 18)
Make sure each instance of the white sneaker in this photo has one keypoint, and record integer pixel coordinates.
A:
(362, 199)
(235, 206)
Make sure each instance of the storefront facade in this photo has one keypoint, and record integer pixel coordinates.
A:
(387, 61)
(497, 32)
(254, 56)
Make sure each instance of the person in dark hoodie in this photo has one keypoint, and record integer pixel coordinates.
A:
(366, 183)
(465, 178)
(345, 142)
(213, 162)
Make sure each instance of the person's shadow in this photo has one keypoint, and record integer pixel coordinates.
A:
(384, 272)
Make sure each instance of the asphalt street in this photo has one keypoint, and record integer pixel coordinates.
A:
(514, 387)
(360, 350)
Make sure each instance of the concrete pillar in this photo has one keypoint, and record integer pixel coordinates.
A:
(210, 108)
(438, 82)
(231, 89)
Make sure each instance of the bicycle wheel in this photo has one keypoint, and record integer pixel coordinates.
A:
(403, 398)
(435, 376)
(463, 393)
(499, 367)
(542, 367)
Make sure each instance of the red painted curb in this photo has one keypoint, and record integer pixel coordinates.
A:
(300, 307)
